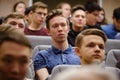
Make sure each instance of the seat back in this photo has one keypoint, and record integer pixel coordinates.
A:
(40, 40)
(113, 57)
(112, 44)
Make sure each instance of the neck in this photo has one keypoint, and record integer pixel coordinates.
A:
(34, 26)
(77, 29)
(61, 45)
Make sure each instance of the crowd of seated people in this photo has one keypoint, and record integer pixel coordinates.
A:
(67, 35)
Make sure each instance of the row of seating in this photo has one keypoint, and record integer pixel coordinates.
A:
(45, 42)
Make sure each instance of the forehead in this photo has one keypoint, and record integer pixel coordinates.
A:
(95, 12)
(41, 9)
(93, 39)
(14, 49)
(15, 19)
(57, 20)
(79, 12)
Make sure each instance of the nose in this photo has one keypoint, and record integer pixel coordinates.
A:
(15, 68)
(17, 26)
(59, 28)
(97, 48)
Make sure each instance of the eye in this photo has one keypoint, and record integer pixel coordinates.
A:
(23, 61)
(101, 47)
(13, 23)
(91, 45)
(63, 24)
(21, 26)
(7, 60)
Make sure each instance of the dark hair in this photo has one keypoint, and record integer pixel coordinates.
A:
(86, 32)
(27, 10)
(92, 6)
(15, 5)
(77, 7)
(38, 5)
(53, 13)
(14, 15)
(104, 20)
(116, 13)
(9, 33)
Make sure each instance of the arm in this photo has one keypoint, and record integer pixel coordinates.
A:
(42, 74)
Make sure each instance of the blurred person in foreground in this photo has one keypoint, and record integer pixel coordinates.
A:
(15, 51)
(17, 21)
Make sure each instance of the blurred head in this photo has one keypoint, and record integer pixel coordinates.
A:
(65, 7)
(116, 18)
(90, 46)
(19, 7)
(39, 12)
(86, 73)
(57, 25)
(101, 16)
(16, 20)
(78, 18)
(92, 12)
(28, 15)
(15, 52)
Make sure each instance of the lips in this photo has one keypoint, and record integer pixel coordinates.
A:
(96, 56)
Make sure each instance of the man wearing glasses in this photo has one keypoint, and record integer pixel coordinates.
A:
(16, 20)
(38, 13)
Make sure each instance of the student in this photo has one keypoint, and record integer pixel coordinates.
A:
(92, 12)
(112, 30)
(19, 7)
(17, 21)
(78, 20)
(15, 52)
(60, 52)
(38, 13)
(65, 8)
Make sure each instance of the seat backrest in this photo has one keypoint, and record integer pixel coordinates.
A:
(40, 40)
(38, 48)
(112, 44)
(112, 57)
(60, 68)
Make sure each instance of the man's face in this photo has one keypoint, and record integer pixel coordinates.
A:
(39, 15)
(92, 49)
(14, 61)
(20, 8)
(92, 18)
(17, 23)
(66, 10)
(116, 23)
(58, 28)
(78, 19)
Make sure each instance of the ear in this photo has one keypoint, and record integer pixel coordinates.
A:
(48, 32)
(77, 51)
(71, 19)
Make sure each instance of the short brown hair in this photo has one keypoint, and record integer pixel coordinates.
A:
(9, 33)
(77, 7)
(84, 33)
(52, 14)
(14, 15)
(59, 6)
(39, 5)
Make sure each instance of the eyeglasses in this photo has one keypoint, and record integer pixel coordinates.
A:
(20, 25)
(40, 13)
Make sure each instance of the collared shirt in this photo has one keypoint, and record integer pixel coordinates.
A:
(52, 57)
